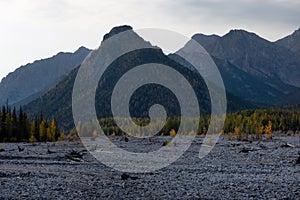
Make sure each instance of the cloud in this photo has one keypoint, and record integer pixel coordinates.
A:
(33, 29)
(254, 14)
(280, 11)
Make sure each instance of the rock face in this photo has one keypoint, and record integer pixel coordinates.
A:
(291, 42)
(254, 68)
(251, 53)
(32, 80)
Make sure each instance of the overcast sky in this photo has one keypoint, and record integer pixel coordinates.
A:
(33, 29)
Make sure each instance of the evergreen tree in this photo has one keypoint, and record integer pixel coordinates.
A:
(3, 124)
(43, 131)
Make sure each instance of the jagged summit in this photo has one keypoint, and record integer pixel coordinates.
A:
(231, 33)
(240, 34)
(240, 31)
(82, 49)
(116, 30)
(203, 35)
(200, 36)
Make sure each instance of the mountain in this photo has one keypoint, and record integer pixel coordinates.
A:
(58, 101)
(291, 42)
(116, 30)
(253, 68)
(32, 80)
(256, 73)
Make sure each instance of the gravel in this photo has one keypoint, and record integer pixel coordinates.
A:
(265, 170)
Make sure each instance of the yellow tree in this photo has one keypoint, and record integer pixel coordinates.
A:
(268, 130)
(259, 132)
(237, 133)
(49, 135)
(53, 130)
(172, 132)
(43, 130)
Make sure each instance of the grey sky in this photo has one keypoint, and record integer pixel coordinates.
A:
(32, 29)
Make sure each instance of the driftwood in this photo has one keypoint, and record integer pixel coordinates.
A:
(20, 149)
(75, 156)
(50, 151)
(126, 176)
(286, 145)
(247, 149)
(235, 144)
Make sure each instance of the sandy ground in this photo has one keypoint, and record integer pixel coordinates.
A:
(233, 170)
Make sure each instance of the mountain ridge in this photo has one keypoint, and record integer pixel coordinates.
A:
(36, 78)
(57, 102)
(257, 57)
(250, 67)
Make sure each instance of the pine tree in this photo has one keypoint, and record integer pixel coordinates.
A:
(53, 129)
(3, 124)
(20, 133)
(37, 129)
(32, 134)
(43, 131)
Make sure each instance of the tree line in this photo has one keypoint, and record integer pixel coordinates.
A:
(255, 123)
(243, 124)
(16, 126)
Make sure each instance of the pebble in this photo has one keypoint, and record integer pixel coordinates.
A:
(266, 173)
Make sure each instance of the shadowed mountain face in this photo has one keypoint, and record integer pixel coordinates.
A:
(33, 80)
(58, 101)
(253, 68)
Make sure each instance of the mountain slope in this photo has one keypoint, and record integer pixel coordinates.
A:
(255, 55)
(57, 102)
(256, 72)
(253, 68)
(32, 80)
(291, 42)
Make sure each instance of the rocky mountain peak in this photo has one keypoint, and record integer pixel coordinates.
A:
(240, 34)
(116, 30)
(82, 49)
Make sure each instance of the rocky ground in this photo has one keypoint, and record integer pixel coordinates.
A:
(233, 170)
